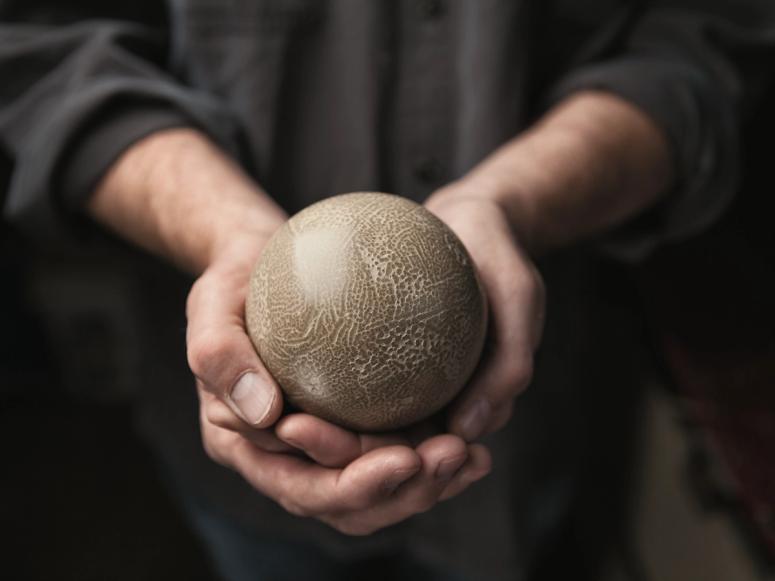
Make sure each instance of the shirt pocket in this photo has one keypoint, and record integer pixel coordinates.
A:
(216, 44)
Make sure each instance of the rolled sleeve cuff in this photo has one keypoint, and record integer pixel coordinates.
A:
(700, 126)
(75, 147)
(108, 137)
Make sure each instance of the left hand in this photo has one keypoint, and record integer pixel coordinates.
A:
(515, 295)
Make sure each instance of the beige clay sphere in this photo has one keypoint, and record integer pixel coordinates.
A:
(367, 310)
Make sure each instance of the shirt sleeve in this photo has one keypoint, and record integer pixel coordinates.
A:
(73, 97)
(695, 73)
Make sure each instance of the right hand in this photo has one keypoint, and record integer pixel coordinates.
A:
(356, 483)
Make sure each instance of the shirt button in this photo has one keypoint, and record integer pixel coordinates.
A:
(431, 9)
(428, 171)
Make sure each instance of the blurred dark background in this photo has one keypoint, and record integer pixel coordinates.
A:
(80, 497)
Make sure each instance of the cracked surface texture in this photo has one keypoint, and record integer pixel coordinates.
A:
(367, 311)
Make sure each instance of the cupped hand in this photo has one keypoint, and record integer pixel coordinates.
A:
(356, 483)
(515, 295)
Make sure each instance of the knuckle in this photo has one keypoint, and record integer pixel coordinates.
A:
(357, 502)
(518, 372)
(354, 528)
(294, 508)
(207, 351)
(425, 501)
(218, 444)
(212, 416)
(212, 450)
(529, 283)
(503, 416)
(217, 416)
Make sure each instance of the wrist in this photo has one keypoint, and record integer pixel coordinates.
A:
(246, 225)
(502, 194)
(240, 248)
(178, 195)
(587, 166)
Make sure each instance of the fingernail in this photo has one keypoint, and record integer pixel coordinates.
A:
(252, 397)
(475, 420)
(448, 468)
(396, 479)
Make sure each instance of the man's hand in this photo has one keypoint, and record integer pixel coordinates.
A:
(220, 353)
(515, 297)
(355, 483)
(588, 165)
(360, 484)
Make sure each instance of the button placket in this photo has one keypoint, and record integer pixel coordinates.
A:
(423, 132)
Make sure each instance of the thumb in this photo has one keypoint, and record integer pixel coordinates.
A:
(220, 353)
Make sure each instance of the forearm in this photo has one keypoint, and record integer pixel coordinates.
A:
(177, 195)
(588, 165)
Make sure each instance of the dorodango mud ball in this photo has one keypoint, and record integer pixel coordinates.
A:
(367, 310)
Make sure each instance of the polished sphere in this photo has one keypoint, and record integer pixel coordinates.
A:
(367, 310)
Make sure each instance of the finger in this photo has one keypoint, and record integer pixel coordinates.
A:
(500, 417)
(219, 414)
(442, 457)
(328, 444)
(220, 353)
(216, 441)
(478, 465)
(426, 429)
(515, 294)
(308, 489)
